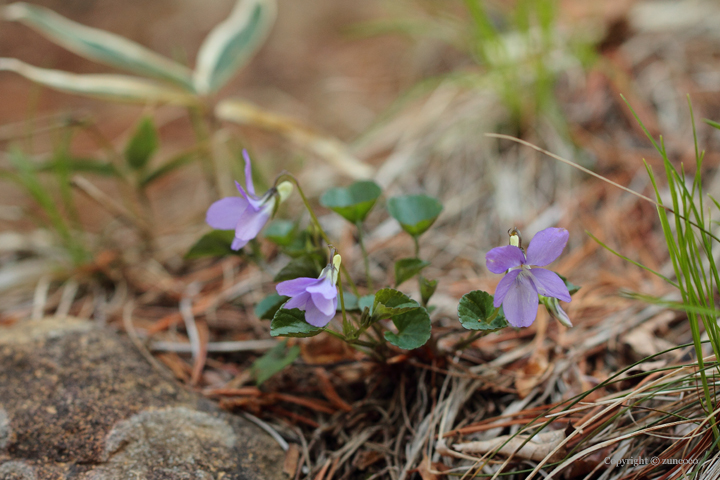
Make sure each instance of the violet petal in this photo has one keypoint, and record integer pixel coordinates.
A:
(248, 173)
(225, 213)
(301, 301)
(505, 283)
(325, 305)
(546, 246)
(296, 286)
(325, 288)
(501, 259)
(521, 302)
(315, 317)
(250, 223)
(549, 284)
(237, 243)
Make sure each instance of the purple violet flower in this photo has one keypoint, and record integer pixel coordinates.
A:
(316, 296)
(247, 215)
(518, 290)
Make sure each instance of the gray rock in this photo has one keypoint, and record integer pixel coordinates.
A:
(80, 402)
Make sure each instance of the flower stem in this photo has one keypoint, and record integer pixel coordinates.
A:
(365, 256)
(202, 135)
(288, 176)
(462, 344)
(347, 328)
(417, 246)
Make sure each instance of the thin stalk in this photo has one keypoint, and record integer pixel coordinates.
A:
(347, 327)
(366, 260)
(462, 344)
(417, 246)
(202, 136)
(290, 177)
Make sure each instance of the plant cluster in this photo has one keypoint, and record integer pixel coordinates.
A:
(310, 290)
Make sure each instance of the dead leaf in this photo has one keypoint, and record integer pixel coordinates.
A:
(366, 458)
(292, 456)
(532, 373)
(536, 449)
(432, 471)
(325, 349)
(645, 343)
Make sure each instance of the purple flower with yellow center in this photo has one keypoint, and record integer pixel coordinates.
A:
(247, 215)
(316, 296)
(518, 290)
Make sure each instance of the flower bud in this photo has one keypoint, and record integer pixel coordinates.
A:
(336, 267)
(552, 305)
(515, 237)
(284, 190)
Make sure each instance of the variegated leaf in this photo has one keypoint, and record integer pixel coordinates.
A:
(97, 45)
(332, 150)
(231, 44)
(118, 88)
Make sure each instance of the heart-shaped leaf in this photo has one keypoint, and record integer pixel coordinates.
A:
(572, 288)
(366, 301)
(406, 268)
(353, 203)
(269, 305)
(413, 329)
(351, 302)
(280, 232)
(291, 323)
(213, 244)
(274, 361)
(309, 265)
(142, 145)
(393, 299)
(476, 312)
(416, 213)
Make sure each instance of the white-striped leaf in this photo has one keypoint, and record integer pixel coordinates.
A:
(231, 44)
(118, 88)
(330, 149)
(98, 45)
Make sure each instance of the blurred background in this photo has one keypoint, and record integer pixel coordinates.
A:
(405, 92)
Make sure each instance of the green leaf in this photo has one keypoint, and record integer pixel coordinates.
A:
(269, 305)
(353, 203)
(414, 328)
(97, 45)
(116, 88)
(572, 288)
(309, 265)
(274, 361)
(351, 302)
(392, 298)
(280, 232)
(291, 323)
(427, 289)
(168, 167)
(231, 44)
(366, 301)
(83, 165)
(416, 213)
(406, 268)
(213, 244)
(476, 312)
(142, 145)
(389, 302)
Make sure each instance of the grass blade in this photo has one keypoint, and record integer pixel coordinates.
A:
(231, 44)
(97, 45)
(117, 88)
